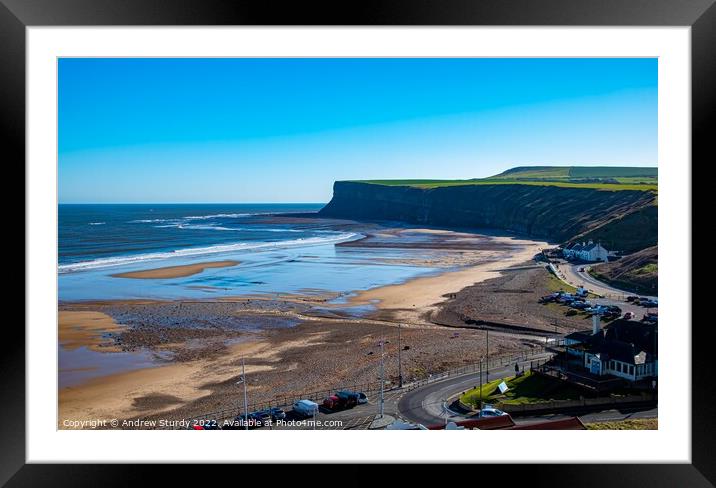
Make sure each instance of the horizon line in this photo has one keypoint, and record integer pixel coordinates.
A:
(192, 203)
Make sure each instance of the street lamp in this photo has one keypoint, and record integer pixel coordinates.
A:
(487, 361)
(400, 369)
(382, 380)
(246, 401)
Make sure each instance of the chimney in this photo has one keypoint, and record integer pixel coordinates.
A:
(595, 324)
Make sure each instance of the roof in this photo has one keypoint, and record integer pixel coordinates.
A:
(572, 423)
(622, 340)
(579, 336)
(485, 423)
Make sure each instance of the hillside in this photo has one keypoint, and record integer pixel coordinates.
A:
(638, 272)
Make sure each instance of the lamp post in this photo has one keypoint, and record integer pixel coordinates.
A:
(246, 401)
(487, 360)
(382, 380)
(400, 369)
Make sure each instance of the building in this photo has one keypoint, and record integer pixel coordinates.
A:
(625, 349)
(589, 251)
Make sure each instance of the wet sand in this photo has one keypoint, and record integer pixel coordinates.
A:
(175, 271)
(87, 329)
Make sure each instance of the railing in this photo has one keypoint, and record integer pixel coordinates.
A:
(281, 401)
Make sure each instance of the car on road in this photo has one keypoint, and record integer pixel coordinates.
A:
(490, 411)
(305, 408)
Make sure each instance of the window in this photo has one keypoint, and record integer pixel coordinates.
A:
(631, 370)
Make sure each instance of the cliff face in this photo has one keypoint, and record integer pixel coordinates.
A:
(551, 212)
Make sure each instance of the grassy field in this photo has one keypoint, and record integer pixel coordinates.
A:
(427, 184)
(621, 178)
(632, 424)
(529, 388)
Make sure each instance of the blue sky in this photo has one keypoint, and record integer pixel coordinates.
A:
(283, 130)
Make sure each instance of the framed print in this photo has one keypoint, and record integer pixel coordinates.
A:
(318, 230)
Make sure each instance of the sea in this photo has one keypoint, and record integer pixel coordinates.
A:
(277, 253)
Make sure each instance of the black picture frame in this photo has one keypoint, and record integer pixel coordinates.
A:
(700, 15)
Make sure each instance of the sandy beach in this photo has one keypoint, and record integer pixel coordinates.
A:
(306, 342)
(175, 271)
(413, 299)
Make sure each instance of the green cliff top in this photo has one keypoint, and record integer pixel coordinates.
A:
(596, 177)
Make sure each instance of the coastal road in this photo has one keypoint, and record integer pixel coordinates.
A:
(572, 275)
(427, 405)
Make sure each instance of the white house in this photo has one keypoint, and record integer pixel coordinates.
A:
(589, 251)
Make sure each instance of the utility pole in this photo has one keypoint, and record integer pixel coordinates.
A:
(382, 381)
(400, 368)
(480, 384)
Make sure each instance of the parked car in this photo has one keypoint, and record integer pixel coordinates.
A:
(648, 303)
(628, 316)
(258, 419)
(632, 298)
(305, 408)
(351, 398)
(596, 309)
(277, 413)
(236, 424)
(332, 403)
(650, 317)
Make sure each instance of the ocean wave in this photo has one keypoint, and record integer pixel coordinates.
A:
(182, 225)
(198, 217)
(199, 251)
(97, 223)
(222, 216)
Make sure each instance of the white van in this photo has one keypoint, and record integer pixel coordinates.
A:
(305, 408)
